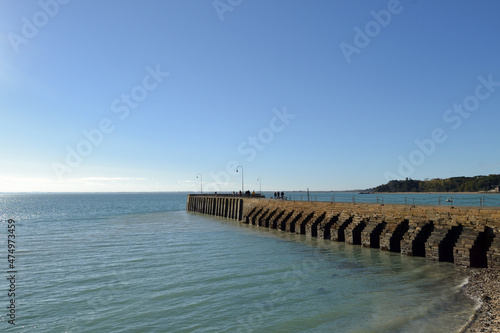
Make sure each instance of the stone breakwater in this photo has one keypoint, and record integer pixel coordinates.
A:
(467, 236)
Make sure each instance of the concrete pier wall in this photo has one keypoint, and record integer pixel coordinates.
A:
(223, 206)
(468, 236)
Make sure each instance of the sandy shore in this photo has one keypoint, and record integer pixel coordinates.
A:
(484, 287)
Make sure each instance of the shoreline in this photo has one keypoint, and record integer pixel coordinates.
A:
(358, 192)
(440, 193)
(483, 287)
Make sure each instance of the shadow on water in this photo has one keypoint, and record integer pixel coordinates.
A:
(378, 290)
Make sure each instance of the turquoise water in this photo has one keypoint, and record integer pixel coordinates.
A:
(140, 263)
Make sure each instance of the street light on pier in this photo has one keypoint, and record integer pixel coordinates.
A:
(242, 187)
(260, 184)
(201, 182)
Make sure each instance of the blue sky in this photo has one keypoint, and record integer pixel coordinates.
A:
(325, 95)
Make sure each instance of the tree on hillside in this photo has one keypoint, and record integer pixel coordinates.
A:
(454, 184)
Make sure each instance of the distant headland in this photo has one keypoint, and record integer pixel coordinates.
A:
(490, 184)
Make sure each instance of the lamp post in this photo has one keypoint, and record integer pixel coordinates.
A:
(201, 182)
(260, 184)
(242, 187)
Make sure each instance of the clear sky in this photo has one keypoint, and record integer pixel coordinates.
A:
(125, 95)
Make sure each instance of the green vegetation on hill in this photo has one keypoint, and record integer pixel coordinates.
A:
(454, 184)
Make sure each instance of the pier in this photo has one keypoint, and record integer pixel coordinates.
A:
(467, 236)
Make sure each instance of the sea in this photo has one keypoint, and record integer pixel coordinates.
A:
(138, 262)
